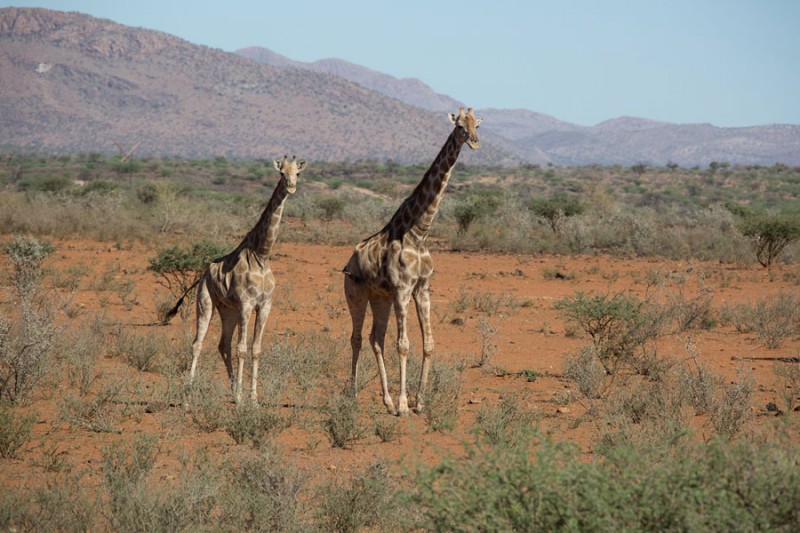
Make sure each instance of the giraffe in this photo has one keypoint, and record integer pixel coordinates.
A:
(390, 267)
(241, 282)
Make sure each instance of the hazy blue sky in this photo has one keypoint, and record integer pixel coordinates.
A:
(731, 63)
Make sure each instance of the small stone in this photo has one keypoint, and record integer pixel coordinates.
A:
(332, 468)
(772, 407)
(564, 410)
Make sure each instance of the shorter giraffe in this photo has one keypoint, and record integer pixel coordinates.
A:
(242, 282)
(393, 266)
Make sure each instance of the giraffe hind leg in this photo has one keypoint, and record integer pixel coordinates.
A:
(381, 309)
(357, 304)
(205, 312)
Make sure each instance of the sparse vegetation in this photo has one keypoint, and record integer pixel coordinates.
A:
(718, 450)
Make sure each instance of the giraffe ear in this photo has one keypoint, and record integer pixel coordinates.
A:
(453, 117)
(277, 164)
(478, 122)
(301, 165)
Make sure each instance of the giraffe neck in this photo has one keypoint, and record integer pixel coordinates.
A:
(415, 215)
(262, 237)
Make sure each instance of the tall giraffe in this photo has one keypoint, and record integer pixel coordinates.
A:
(390, 267)
(241, 282)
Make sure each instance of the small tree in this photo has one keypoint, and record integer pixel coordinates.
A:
(554, 209)
(330, 206)
(177, 268)
(772, 233)
(476, 205)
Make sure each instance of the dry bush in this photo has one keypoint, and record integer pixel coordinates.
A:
(100, 413)
(771, 318)
(263, 493)
(442, 395)
(61, 506)
(15, 431)
(506, 423)
(293, 369)
(28, 339)
(644, 412)
(586, 371)
(788, 374)
(81, 350)
(342, 422)
(139, 351)
(488, 343)
(731, 409)
(697, 387)
(253, 424)
(206, 401)
(387, 429)
(367, 502)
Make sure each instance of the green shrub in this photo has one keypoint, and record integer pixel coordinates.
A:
(618, 325)
(47, 184)
(706, 487)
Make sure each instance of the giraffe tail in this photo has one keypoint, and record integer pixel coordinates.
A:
(174, 311)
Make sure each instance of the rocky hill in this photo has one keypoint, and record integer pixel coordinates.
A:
(74, 82)
(539, 138)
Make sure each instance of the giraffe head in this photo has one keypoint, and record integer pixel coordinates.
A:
(467, 126)
(290, 169)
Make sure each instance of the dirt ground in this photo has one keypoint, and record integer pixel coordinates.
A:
(512, 293)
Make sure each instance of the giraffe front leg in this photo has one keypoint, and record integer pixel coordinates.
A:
(241, 352)
(261, 321)
(401, 312)
(423, 301)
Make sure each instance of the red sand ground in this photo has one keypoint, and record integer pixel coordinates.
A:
(530, 336)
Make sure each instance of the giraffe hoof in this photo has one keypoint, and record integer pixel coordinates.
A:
(402, 412)
(419, 408)
(392, 411)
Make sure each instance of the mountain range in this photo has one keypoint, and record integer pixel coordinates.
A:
(72, 82)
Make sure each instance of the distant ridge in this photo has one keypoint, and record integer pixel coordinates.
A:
(540, 139)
